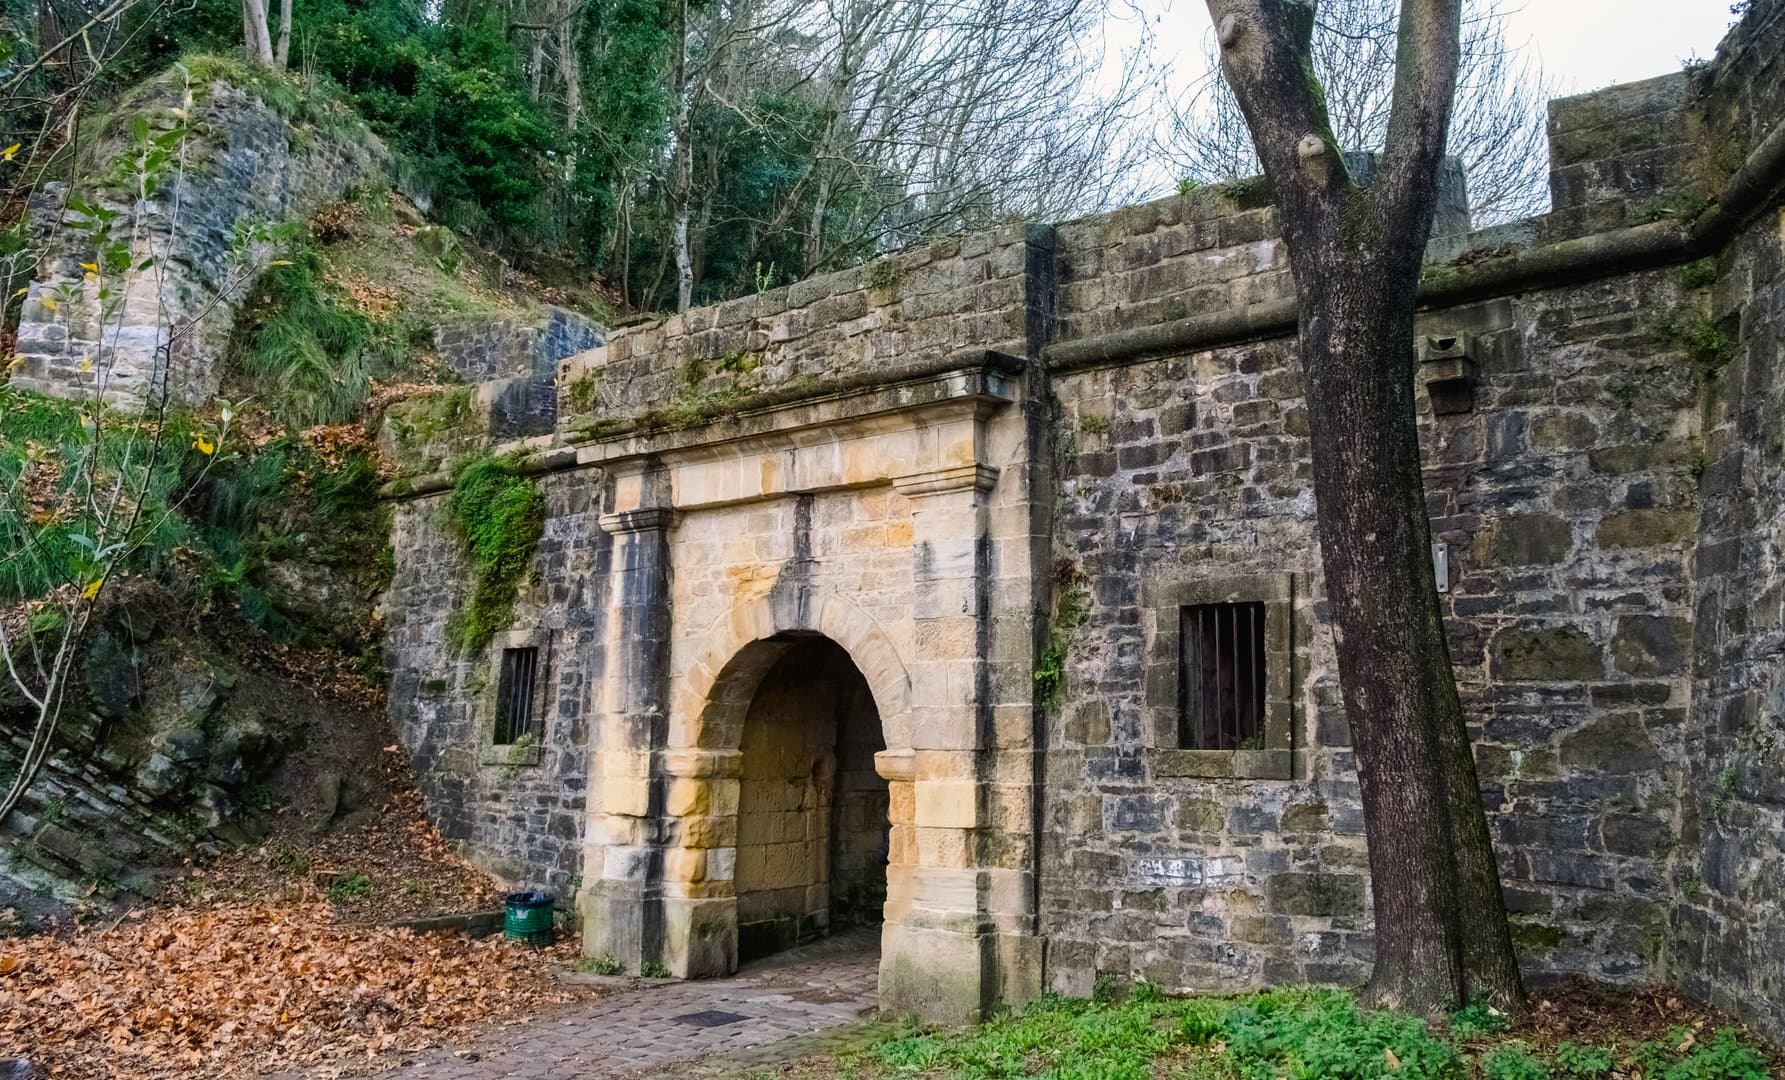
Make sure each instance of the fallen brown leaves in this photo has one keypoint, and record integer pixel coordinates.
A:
(252, 990)
(410, 870)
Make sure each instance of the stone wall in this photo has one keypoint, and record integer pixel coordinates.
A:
(893, 318)
(515, 362)
(934, 457)
(247, 166)
(1566, 503)
(517, 811)
(1727, 940)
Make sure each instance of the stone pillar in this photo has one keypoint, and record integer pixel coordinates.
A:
(623, 846)
(959, 936)
(700, 905)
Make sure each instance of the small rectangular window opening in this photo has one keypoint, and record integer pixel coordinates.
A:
(514, 694)
(1221, 681)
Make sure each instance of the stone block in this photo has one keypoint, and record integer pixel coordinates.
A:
(1526, 653)
(952, 804)
(1651, 645)
(1646, 528)
(1523, 540)
(1618, 743)
(1316, 894)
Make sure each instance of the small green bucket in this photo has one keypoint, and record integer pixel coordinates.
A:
(527, 916)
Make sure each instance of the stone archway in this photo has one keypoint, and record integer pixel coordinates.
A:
(884, 529)
(721, 734)
(812, 812)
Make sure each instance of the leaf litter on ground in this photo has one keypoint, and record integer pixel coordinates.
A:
(248, 990)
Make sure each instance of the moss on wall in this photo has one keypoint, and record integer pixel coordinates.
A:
(497, 517)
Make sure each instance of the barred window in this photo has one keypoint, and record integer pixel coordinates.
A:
(514, 694)
(1221, 685)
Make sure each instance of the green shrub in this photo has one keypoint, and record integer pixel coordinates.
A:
(1583, 1062)
(1724, 1057)
(1072, 605)
(354, 886)
(1323, 1035)
(1477, 1018)
(1512, 1062)
(278, 501)
(292, 861)
(599, 965)
(498, 518)
(54, 453)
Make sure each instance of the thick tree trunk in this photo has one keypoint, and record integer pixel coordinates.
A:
(1356, 253)
(1441, 932)
(1357, 353)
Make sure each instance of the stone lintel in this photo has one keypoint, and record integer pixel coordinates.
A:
(647, 519)
(975, 390)
(954, 478)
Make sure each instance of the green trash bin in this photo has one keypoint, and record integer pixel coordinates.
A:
(528, 917)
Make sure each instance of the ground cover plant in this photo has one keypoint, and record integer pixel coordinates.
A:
(1580, 1032)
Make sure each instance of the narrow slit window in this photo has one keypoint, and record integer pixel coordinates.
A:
(1221, 682)
(514, 694)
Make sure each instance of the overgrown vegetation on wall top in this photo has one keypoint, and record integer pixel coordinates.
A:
(498, 517)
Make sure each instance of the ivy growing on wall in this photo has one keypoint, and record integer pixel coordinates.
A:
(497, 516)
(1072, 603)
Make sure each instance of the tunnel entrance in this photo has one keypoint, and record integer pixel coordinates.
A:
(812, 811)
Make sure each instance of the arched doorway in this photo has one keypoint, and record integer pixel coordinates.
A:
(812, 837)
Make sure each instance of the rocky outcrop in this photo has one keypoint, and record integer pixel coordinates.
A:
(169, 745)
(241, 165)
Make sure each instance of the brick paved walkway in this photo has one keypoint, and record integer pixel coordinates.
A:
(823, 986)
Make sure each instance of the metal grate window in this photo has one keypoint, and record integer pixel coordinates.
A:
(514, 694)
(1221, 687)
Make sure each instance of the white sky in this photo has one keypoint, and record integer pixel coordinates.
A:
(1582, 44)
(1587, 44)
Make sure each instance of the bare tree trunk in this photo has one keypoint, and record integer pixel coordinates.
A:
(1356, 253)
(282, 55)
(684, 162)
(815, 249)
(260, 41)
(570, 71)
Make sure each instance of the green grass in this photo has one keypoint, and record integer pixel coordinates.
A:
(1286, 1034)
(599, 965)
(309, 351)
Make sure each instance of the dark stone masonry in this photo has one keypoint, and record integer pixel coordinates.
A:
(1048, 488)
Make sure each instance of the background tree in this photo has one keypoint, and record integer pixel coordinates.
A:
(684, 151)
(1356, 252)
(1497, 130)
(94, 487)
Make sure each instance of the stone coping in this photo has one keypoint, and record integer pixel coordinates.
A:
(773, 420)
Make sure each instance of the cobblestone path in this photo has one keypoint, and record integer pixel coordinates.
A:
(823, 986)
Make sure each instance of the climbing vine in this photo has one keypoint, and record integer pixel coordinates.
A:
(1072, 603)
(497, 516)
